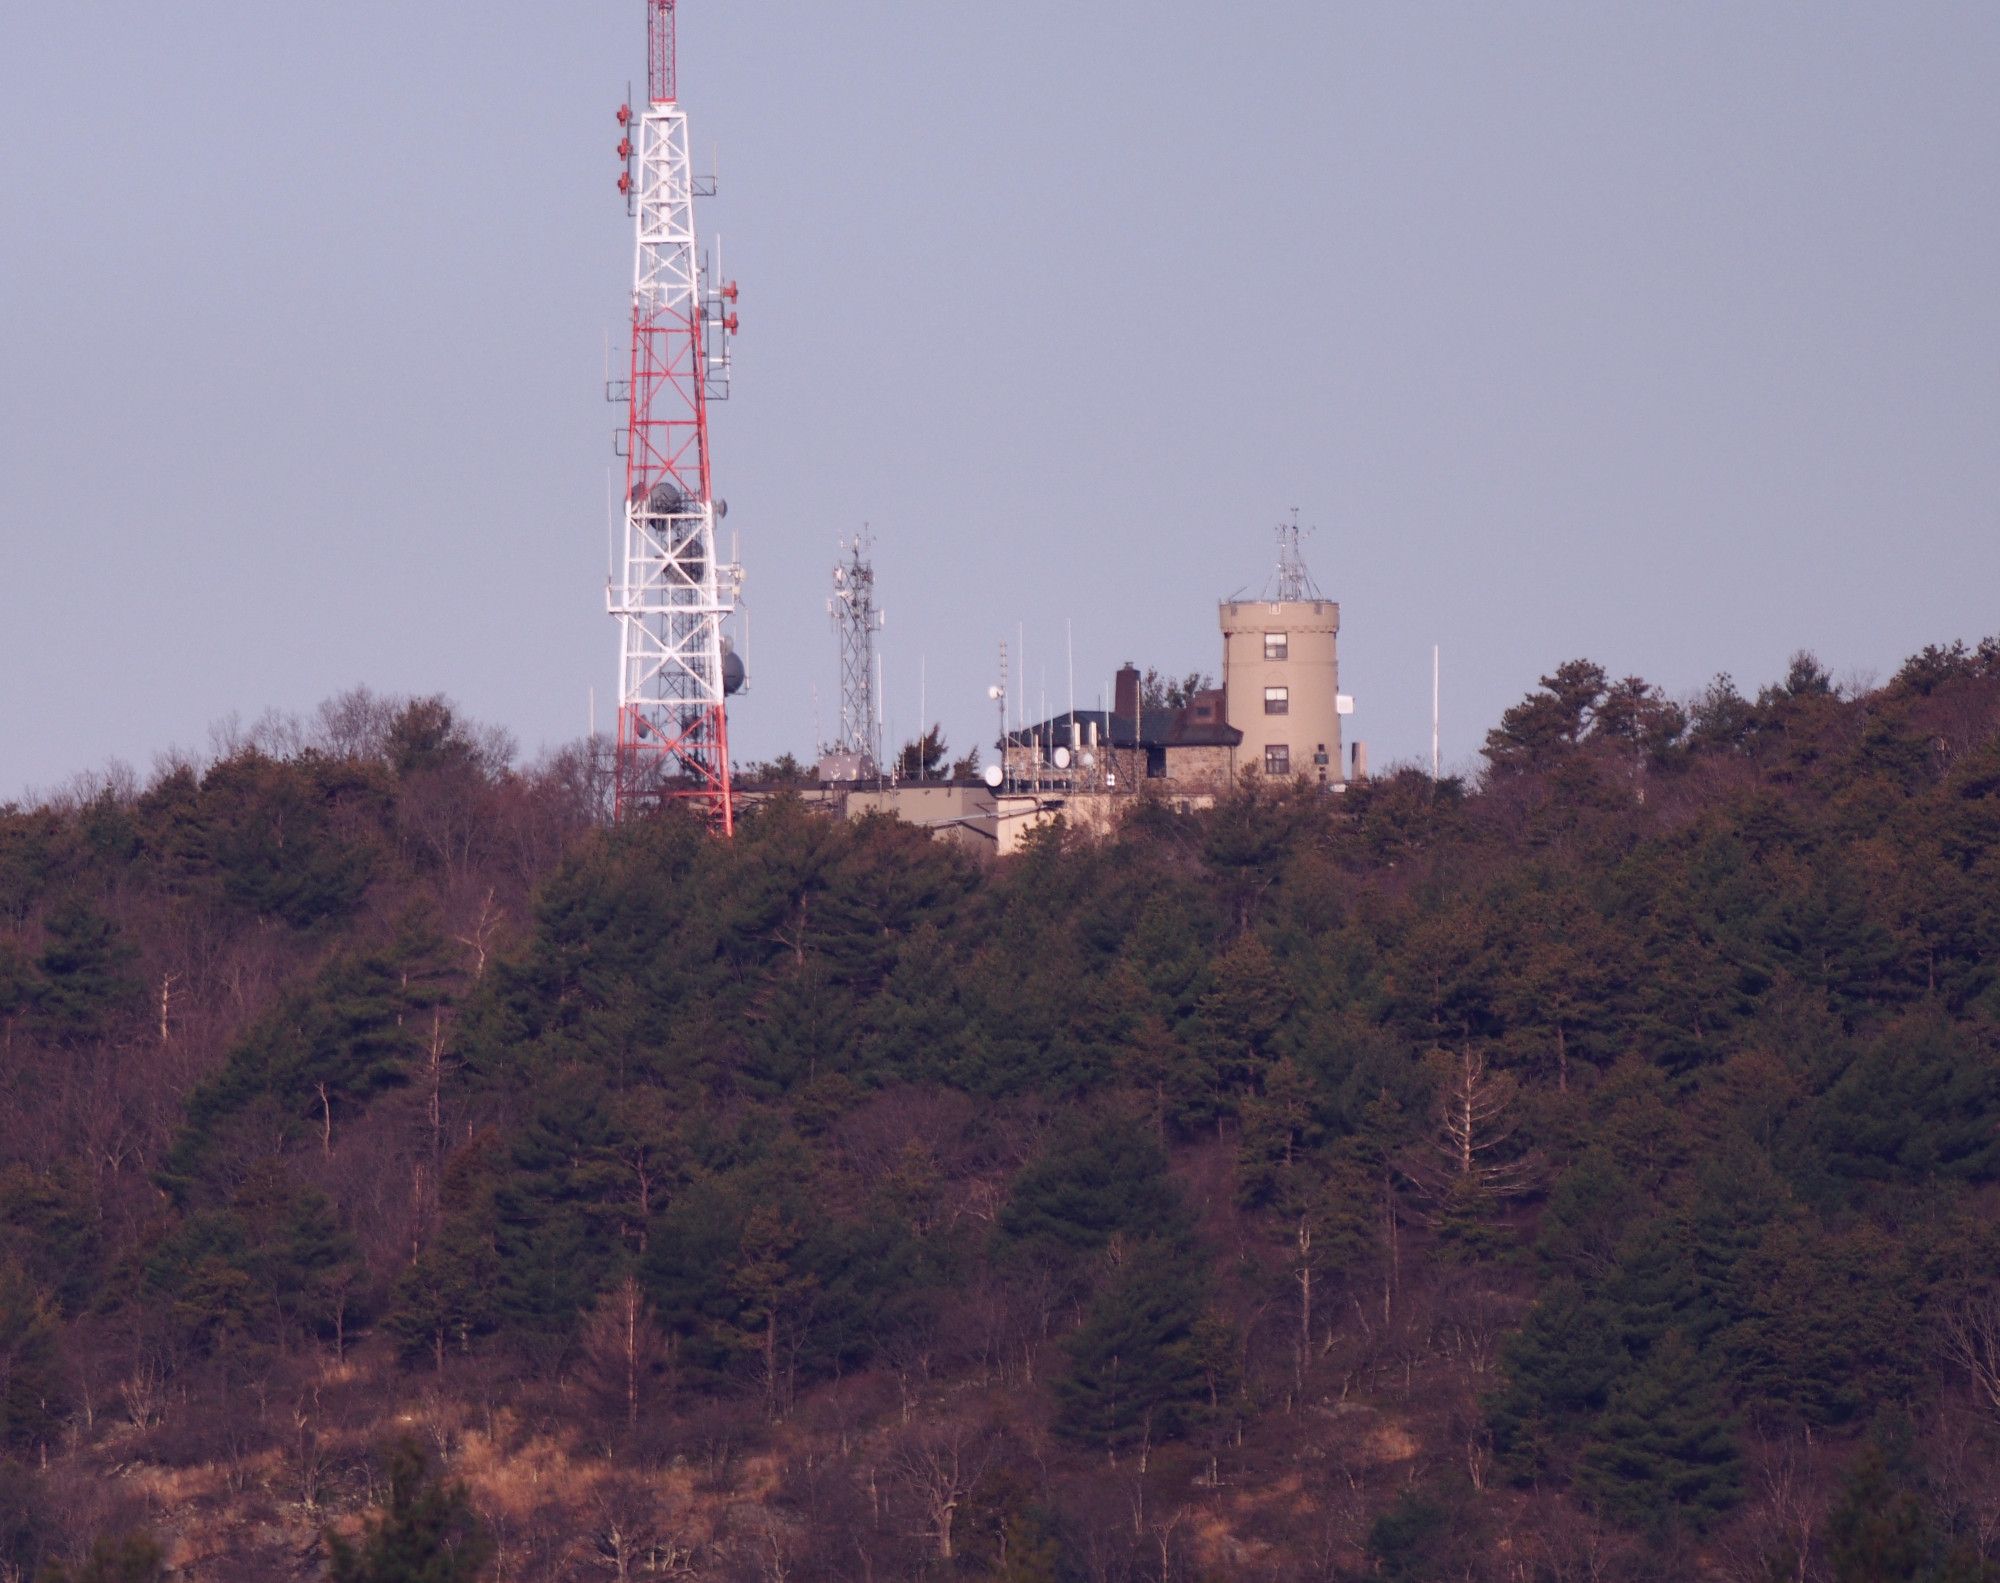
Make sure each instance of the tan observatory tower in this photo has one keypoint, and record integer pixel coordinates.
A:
(1281, 674)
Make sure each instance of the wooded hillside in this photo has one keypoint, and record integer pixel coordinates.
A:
(1589, 1173)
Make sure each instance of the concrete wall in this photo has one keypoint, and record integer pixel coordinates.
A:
(1309, 673)
(989, 825)
(984, 823)
(963, 814)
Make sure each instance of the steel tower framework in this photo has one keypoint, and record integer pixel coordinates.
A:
(673, 595)
(856, 620)
(1294, 581)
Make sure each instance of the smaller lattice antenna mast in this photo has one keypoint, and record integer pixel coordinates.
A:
(856, 620)
(1294, 581)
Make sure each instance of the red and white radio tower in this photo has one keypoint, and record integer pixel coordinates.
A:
(676, 667)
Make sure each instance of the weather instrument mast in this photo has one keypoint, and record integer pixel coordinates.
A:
(671, 594)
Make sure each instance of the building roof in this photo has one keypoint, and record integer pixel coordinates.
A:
(1158, 728)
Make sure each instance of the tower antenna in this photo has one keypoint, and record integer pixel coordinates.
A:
(676, 666)
(1294, 582)
(856, 620)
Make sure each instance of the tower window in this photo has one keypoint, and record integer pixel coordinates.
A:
(1278, 760)
(1277, 700)
(1277, 645)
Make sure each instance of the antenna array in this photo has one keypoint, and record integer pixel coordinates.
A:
(856, 620)
(671, 595)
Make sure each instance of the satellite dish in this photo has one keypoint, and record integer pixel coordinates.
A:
(677, 525)
(1062, 758)
(993, 776)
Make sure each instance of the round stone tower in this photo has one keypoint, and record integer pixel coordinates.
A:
(1281, 685)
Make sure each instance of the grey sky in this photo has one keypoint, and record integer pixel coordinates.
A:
(1661, 334)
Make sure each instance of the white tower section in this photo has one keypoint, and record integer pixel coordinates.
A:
(672, 596)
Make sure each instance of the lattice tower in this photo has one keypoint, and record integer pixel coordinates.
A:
(856, 620)
(672, 596)
(1294, 581)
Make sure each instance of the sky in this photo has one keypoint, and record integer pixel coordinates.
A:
(1659, 334)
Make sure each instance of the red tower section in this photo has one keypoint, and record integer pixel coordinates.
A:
(673, 597)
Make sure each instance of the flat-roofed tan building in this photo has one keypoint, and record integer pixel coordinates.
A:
(1281, 685)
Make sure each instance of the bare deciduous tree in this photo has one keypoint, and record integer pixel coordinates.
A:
(938, 1463)
(631, 1531)
(1969, 1330)
(1966, 1465)
(622, 1349)
(1472, 1156)
(1778, 1536)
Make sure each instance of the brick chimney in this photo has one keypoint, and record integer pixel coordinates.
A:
(1125, 699)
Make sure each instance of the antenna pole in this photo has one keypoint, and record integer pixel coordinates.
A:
(1021, 657)
(1000, 701)
(1069, 640)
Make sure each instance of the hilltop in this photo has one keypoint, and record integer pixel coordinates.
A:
(1587, 1172)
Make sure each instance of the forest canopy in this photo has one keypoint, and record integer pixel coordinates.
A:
(1587, 1169)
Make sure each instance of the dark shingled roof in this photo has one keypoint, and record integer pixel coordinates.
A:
(1158, 728)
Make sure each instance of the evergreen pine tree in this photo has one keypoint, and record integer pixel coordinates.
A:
(1654, 1289)
(17, 983)
(31, 1375)
(1559, 1369)
(1031, 1551)
(84, 980)
(428, 1533)
(1136, 1372)
(265, 827)
(1664, 1451)
(1408, 1541)
(1877, 1534)
(917, 1025)
(132, 1558)
(1590, 1209)
(1096, 1178)
(1235, 1027)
